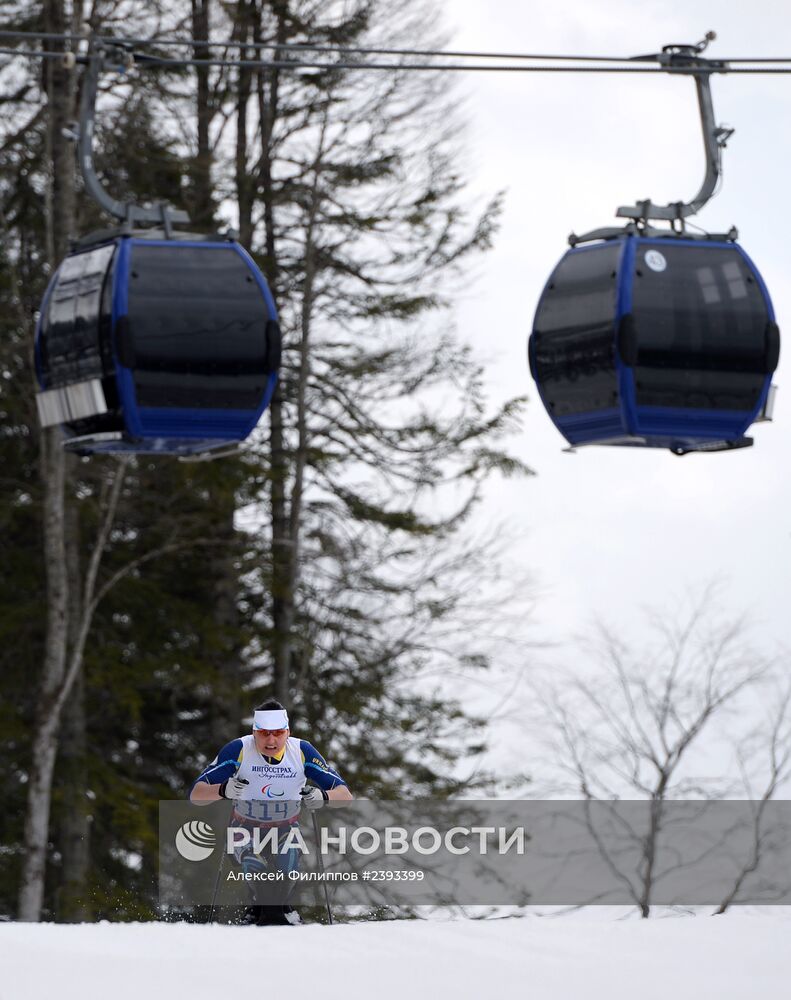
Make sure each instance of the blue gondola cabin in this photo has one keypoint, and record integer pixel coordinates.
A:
(655, 342)
(158, 346)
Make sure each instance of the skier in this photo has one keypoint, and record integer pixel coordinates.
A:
(265, 773)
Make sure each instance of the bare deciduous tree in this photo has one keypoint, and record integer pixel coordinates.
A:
(643, 724)
(771, 744)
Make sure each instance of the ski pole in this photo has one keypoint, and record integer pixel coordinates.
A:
(321, 866)
(244, 781)
(216, 886)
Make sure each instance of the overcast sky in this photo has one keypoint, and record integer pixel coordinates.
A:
(609, 530)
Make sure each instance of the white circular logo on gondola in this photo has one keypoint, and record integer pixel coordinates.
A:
(195, 841)
(655, 260)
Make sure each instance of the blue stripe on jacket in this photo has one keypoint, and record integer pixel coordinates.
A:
(317, 770)
(224, 766)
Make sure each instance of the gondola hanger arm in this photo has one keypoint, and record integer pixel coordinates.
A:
(688, 61)
(127, 212)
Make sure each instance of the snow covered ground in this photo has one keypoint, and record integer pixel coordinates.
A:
(736, 956)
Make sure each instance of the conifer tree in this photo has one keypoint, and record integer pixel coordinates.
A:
(362, 231)
(348, 587)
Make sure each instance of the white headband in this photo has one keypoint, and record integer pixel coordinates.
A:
(276, 718)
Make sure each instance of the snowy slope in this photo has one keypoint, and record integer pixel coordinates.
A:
(736, 956)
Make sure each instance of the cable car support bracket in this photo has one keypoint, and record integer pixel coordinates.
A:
(686, 60)
(128, 213)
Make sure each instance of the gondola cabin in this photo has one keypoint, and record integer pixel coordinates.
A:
(156, 345)
(655, 342)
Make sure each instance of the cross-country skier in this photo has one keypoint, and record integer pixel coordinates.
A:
(269, 773)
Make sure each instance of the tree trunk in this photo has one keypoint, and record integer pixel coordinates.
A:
(225, 709)
(302, 433)
(226, 702)
(245, 186)
(74, 819)
(44, 748)
(282, 576)
(60, 89)
(202, 208)
(282, 592)
(74, 815)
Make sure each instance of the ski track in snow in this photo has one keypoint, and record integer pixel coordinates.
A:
(736, 956)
